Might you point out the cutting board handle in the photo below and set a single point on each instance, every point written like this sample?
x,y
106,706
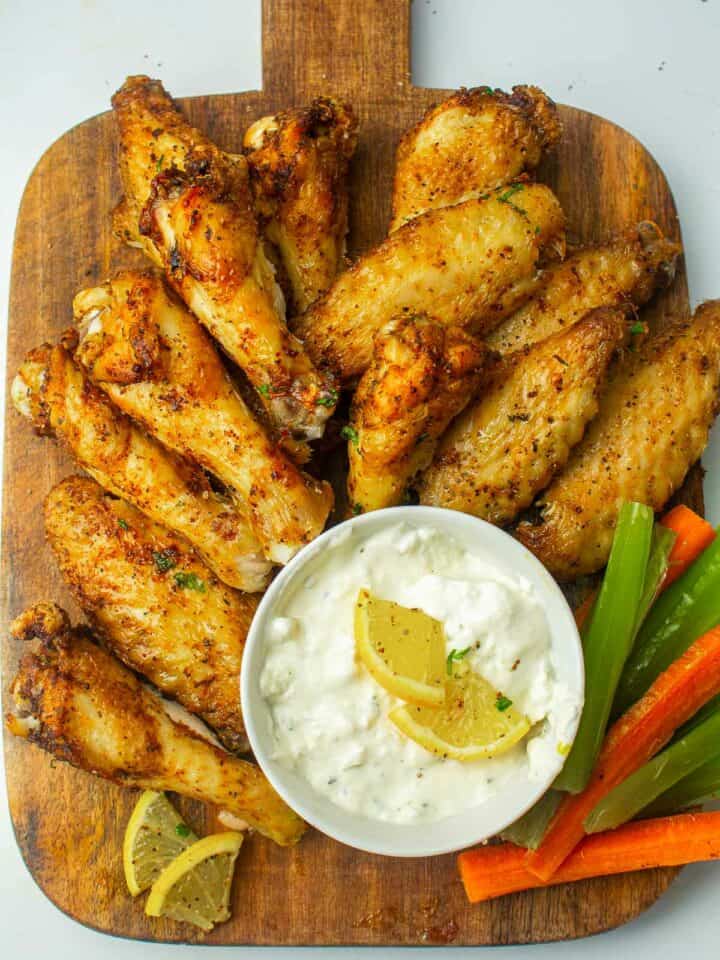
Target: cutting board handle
x,y
335,46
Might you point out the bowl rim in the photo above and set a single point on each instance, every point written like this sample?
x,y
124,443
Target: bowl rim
x,y
318,810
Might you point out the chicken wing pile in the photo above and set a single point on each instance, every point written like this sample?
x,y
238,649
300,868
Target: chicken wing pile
x,y
490,370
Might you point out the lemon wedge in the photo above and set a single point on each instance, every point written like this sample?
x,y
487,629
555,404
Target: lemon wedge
x,y
403,649
195,887
475,722
154,836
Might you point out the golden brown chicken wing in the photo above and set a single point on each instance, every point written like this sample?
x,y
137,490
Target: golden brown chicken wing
x,y
153,603
469,265
625,271
533,408
157,364
472,142
82,705
298,165
653,425
196,220
422,374
52,392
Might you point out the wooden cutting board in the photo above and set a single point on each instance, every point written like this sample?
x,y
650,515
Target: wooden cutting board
x,y
69,825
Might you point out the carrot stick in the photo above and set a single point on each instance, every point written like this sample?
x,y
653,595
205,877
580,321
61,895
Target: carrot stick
x,y
693,535
494,871
674,697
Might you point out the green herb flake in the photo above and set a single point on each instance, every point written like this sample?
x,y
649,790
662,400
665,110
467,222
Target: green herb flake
x,y
453,657
423,437
164,560
159,164
123,523
329,399
510,192
189,581
502,702
357,509
264,389
182,829
351,434
637,328
560,360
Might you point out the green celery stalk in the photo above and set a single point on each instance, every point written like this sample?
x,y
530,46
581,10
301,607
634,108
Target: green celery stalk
x,y
529,830
658,775
697,787
609,638
684,612
657,565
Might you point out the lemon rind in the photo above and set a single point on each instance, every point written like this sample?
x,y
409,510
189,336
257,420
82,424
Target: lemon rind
x,y
147,798
430,741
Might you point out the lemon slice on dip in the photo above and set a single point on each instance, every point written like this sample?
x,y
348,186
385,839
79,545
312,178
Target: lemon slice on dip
x,y
403,649
475,722
154,836
195,887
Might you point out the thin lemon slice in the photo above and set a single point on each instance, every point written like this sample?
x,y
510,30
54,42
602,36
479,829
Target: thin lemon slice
x,y
154,836
475,723
195,887
403,649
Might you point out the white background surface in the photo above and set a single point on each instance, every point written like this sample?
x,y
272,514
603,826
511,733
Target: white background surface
x,y
649,65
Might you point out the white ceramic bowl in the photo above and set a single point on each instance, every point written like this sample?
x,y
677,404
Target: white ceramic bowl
x,y
418,839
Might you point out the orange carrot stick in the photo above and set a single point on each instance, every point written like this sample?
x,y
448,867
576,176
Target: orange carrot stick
x,y
674,697
693,535
666,842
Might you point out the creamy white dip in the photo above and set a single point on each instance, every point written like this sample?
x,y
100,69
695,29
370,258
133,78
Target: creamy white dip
x,y
329,716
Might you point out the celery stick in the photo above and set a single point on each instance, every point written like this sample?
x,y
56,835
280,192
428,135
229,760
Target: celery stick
x,y
529,830
684,612
658,775
660,547
609,637
701,785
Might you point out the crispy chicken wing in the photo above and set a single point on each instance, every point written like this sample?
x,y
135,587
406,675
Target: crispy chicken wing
x,y
153,603
196,220
52,392
472,142
653,425
298,166
422,374
469,265
626,270
534,407
82,705
157,364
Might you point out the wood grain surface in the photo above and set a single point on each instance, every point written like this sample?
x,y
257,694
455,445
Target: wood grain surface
x,y
69,825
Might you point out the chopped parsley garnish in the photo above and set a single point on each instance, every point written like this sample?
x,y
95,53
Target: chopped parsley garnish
x,y
329,399
182,829
357,509
264,389
351,434
502,702
164,560
190,581
637,328
453,657
423,437
123,523
507,196
158,165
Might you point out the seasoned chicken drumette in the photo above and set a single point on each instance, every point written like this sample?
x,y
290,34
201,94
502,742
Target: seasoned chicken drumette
x,y
157,364
534,406
191,206
472,142
82,705
152,602
54,394
653,425
421,376
298,169
627,270
469,265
